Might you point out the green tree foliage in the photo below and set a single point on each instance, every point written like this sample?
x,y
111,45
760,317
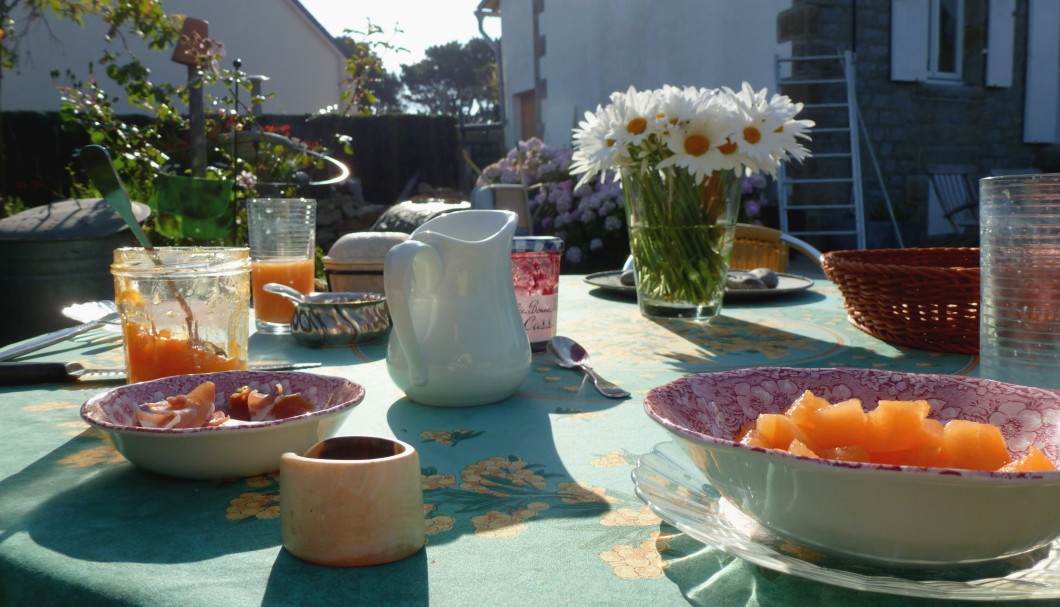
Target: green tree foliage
x,y
143,19
368,88
455,79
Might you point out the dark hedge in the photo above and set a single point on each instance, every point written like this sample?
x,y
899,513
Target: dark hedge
x,y
390,152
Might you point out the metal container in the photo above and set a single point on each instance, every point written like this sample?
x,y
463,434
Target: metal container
x,y
56,255
340,319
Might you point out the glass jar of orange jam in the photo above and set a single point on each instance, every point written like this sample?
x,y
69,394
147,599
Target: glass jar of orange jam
x,y
183,309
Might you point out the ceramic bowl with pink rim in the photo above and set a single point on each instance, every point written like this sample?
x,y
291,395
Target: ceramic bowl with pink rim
x,y
235,449
899,516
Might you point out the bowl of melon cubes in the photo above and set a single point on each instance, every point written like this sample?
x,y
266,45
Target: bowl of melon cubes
x,y
895,469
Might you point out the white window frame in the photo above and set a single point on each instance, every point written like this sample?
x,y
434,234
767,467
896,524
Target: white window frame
x,y
1041,118
935,43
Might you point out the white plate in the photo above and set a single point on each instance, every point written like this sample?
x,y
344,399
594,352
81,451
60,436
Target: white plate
x,y
789,283
92,310
675,490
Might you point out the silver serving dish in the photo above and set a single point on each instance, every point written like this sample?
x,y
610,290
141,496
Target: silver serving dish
x,y
335,319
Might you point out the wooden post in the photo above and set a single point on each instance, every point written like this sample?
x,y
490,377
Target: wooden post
x,y
197,118
189,52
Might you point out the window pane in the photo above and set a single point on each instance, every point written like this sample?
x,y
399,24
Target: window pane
x,y
948,37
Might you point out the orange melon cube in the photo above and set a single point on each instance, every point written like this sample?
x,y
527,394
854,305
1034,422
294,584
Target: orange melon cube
x,y
1033,461
779,430
973,445
894,425
850,453
752,438
802,410
839,425
798,448
743,432
926,450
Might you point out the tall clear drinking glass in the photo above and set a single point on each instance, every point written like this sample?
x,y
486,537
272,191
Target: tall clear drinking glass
x,y
1020,286
282,238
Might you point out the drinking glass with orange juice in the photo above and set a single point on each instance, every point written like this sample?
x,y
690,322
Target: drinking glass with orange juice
x,y
281,234
183,309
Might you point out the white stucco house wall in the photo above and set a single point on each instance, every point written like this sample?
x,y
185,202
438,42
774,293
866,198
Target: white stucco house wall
x,y
563,58
278,39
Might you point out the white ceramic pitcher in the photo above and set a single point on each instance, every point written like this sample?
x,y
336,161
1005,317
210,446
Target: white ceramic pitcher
x,y
458,337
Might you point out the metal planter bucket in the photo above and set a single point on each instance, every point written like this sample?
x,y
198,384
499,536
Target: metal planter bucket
x,y
56,255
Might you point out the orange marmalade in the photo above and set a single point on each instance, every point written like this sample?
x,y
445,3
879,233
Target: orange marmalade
x,y
150,355
183,309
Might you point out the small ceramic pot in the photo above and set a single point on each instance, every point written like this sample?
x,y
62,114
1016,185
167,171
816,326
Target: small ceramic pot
x,y
355,261
352,501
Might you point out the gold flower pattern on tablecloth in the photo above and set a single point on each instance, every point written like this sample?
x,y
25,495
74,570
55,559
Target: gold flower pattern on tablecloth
x,y
746,336
495,524
450,438
58,406
611,459
481,489
437,481
73,428
501,476
624,517
435,524
261,504
581,492
498,495
635,562
253,504
93,456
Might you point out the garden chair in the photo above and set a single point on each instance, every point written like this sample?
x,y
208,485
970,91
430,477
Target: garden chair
x,y
506,197
957,190
757,246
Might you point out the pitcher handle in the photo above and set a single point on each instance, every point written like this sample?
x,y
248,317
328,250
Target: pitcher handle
x,y
399,275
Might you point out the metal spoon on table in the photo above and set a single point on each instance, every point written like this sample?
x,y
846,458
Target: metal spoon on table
x,y
569,354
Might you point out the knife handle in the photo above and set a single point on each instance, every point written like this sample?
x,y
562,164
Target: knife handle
x,y
18,373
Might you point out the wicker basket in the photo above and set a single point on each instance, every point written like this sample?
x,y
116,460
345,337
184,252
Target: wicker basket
x,y
922,297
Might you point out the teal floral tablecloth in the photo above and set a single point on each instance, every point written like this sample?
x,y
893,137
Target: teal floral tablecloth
x,y
528,501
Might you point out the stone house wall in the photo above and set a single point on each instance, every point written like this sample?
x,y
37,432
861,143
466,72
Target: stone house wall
x,y
912,124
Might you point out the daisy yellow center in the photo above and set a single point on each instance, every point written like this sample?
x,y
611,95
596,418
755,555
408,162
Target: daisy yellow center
x,y
696,145
610,143
727,148
752,135
637,126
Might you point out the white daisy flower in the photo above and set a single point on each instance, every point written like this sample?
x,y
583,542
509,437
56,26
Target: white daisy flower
x,y
702,130
704,144
594,148
765,137
677,105
634,117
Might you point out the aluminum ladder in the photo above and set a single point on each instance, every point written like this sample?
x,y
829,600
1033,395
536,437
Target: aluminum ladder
x,y
822,200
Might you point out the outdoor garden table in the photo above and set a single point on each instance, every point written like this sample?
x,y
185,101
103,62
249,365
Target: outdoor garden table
x,y
527,502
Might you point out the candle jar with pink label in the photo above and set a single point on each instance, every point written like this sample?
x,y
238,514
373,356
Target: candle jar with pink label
x,y
535,275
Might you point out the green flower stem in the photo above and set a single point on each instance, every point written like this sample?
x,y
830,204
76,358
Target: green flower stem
x,y
681,234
